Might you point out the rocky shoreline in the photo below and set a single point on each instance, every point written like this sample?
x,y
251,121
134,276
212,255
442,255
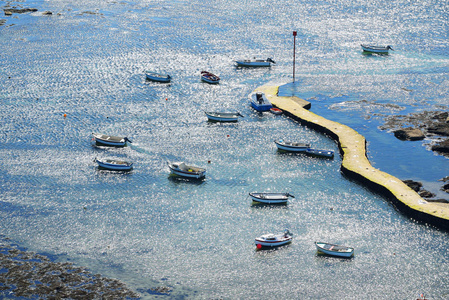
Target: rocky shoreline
x,y
30,275
430,125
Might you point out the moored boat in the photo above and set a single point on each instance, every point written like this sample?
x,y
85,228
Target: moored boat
x,y
159,77
260,102
320,153
334,250
181,169
114,165
255,63
270,198
291,146
276,111
376,49
273,240
110,140
223,116
209,77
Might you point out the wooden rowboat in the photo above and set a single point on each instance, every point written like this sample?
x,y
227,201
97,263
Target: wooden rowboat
x,y
153,76
114,165
334,250
376,49
181,169
222,117
292,146
110,140
255,63
273,240
270,198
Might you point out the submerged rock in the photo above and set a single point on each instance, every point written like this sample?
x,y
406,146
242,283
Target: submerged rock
x,y
409,134
28,275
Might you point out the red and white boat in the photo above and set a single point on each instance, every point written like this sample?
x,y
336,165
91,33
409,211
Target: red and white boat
x,y
274,240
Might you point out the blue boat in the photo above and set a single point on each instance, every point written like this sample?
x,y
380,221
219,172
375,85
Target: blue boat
x,y
260,102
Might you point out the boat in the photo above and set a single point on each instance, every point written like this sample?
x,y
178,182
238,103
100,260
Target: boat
x,y
110,140
292,146
270,198
114,165
334,250
260,102
209,77
322,153
255,63
159,77
222,116
273,240
181,169
376,49
276,111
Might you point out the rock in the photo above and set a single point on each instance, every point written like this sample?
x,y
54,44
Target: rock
x,y
47,13
442,146
10,11
426,194
437,200
445,188
441,128
414,185
409,134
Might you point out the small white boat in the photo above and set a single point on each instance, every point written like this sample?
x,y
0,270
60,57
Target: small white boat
x,y
222,117
260,102
292,146
270,198
322,153
255,63
376,49
273,240
153,76
209,77
114,165
110,140
334,250
181,169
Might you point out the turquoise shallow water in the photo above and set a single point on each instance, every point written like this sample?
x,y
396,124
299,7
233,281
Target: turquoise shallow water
x,y
148,229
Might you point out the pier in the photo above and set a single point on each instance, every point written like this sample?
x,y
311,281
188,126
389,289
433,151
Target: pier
x,y
355,164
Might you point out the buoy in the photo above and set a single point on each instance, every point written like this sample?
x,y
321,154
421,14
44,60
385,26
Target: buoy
x,y
259,246
228,135
65,115
208,161
166,99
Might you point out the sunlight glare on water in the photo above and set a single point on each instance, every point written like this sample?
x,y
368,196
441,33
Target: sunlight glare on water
x,y
149,229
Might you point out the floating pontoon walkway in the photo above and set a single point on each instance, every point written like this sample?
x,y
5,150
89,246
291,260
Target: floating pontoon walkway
x,y
356,165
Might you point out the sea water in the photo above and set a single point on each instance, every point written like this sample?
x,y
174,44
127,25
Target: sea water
x,y
81,70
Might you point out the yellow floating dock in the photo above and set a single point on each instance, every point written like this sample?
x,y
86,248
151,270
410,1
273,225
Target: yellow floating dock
x,y
356,165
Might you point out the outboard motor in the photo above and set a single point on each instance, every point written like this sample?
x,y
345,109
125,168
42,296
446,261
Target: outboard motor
x,y
259,98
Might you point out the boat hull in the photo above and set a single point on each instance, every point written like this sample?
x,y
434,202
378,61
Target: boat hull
x,y
109,140
334,250
222,117
253,64
260,102
265,241
375,49
320,153
270,198
292,147
158,77
189,172
114,165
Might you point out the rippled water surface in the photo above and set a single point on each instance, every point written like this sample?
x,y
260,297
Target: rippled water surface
x,y
87,61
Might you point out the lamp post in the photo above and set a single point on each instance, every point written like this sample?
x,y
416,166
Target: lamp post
x,y
294,52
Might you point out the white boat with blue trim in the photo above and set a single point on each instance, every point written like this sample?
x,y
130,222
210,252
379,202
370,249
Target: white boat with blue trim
x,y
270,198
114,165
292,146
273,240
334,250
376,49
255,63
209,77
260,102
159,77
183,170
223,116
110,140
